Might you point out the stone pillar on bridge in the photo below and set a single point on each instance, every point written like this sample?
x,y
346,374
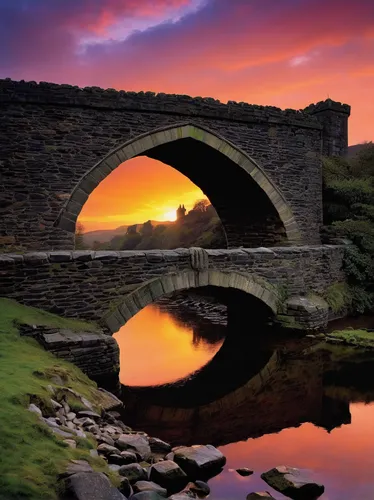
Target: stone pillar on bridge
x,y
333,117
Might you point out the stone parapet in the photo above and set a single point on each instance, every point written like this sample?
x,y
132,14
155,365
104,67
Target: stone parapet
x,y
45,93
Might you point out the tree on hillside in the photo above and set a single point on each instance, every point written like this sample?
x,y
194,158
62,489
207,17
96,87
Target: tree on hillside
x,y
79,238
349,213
201,205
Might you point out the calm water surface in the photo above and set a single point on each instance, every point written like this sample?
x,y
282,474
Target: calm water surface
x,y
264,403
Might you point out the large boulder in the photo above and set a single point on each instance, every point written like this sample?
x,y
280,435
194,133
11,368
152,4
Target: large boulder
x,y
92,485
135,442
149,486
133,472
293,483
200,460
169,475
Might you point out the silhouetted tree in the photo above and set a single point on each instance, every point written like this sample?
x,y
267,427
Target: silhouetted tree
x,y
79,238
201,205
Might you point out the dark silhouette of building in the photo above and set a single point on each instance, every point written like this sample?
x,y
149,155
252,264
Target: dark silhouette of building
x,y
181,212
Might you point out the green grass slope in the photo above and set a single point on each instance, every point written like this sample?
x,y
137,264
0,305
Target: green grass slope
x,y
30,455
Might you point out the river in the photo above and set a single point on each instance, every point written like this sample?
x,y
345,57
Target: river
x,y
262,399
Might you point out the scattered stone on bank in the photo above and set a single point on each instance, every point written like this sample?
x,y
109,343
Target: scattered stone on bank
x,y
136,442
129,457
199,488
107,449
125,487
133,472
169,475
260,495
184,495
199,460
88,413
77,466
93,486
293,483
147,495
149,486
35,409
71,443
159,446
244,471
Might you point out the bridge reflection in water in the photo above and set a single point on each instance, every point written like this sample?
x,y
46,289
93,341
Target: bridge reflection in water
x,y
270,401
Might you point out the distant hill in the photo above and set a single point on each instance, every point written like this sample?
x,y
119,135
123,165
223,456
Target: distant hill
x,y
105,235
356,148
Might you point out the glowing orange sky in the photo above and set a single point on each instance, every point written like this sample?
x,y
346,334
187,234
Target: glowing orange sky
x,y
138,190
286,53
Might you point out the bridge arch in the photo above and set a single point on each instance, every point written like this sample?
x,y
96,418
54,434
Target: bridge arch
x,y
156,288
259,216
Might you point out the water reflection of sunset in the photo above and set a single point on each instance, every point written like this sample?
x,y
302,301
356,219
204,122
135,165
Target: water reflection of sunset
x,y
155,349
140,189
342,460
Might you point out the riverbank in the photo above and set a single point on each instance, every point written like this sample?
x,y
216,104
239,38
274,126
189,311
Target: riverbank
x,y
72,420
363,339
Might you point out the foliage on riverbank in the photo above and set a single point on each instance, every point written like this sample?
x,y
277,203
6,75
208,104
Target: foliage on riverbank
x,y
349,213
355,338
31,457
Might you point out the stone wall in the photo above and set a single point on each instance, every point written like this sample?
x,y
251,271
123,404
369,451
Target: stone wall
x,y
88,284
52,135
95,353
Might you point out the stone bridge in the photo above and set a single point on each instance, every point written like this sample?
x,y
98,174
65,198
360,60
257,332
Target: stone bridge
x,y
259,166
111,287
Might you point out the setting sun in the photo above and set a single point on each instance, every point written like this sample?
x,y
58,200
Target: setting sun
x,y
171,215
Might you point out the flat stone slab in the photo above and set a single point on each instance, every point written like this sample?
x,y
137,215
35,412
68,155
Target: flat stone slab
x,y
199,460
293,483
92,486
136,442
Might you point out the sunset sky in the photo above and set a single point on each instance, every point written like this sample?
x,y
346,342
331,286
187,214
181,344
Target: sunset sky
x,y
286,53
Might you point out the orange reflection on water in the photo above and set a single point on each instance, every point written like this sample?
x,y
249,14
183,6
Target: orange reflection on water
x,y
342,460
155,349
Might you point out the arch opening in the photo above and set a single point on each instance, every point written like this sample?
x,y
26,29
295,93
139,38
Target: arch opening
x,y
156,288
252,209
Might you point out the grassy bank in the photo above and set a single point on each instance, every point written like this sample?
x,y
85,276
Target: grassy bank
x,y
356,338
31,456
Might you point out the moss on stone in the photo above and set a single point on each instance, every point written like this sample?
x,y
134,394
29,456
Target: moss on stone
x,y
356,338
338,297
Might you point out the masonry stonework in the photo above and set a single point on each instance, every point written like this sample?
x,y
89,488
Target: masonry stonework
x,y
93,285
52,136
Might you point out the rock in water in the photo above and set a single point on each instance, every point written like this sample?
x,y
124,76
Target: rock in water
x,y
260,495
243,471
135,442
94,485
199,460
293,483
169,475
